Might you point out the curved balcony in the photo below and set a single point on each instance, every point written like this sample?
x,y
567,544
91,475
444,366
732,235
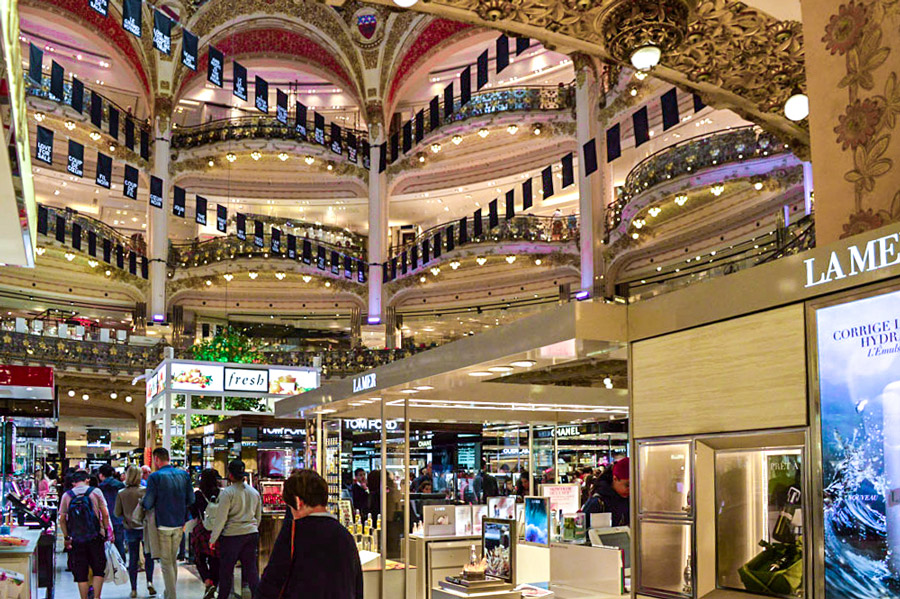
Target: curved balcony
x,y
135,243
263,127
689,157
522,234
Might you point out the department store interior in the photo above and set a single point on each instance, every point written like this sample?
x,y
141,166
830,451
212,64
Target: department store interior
x,y
485,266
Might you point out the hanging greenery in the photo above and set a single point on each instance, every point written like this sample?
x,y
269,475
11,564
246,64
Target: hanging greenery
x,y
228,345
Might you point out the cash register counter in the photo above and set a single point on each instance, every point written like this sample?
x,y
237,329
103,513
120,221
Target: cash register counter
x,y
22,561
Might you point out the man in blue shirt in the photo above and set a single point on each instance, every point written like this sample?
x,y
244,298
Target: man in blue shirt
x,y
170,494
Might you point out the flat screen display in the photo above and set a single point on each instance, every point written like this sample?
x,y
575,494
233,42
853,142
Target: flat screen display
x,y
271,463
859,389
537,520
501,507
499,543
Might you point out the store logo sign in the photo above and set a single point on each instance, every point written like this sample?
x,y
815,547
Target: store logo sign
x,y
364,382
363,424
240,379
877,254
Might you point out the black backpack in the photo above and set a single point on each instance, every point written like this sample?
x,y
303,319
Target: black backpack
x,y
82,523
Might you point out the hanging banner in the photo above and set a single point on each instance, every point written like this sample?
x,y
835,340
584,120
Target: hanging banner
x,y
221,218
189,49
162,32
107,251
448,101
493,214
104,170
510,204
35,64
465,86
156,192
130,185
426,251
420,125
200,210
100,6
291,246
414,257
75,164
258,240
241,226
281,107
120,256
60,228
336,142
568,170
129,133
43,150
239,73
451,238
261,94
522,45
527,194
547,181
589,151
464,230
112,117
348,267
438,245
502,53
335,263
320,258
96,110
613,143
77,95
131,17
482,72
351,148
434,114
319,128
76,236
407,137
92,244
56,81
361,271
275,241
145,144
300,120
307,252
214,66
477,224
366,150
132,262
178,201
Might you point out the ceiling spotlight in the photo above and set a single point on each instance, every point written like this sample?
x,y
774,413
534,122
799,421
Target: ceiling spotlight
x,y
108,272
211,162
255,154
510,259
717,190
328,283
639,223
633,91
70,125
523,363
208,282
71,393
93,263
252,274
330,166
306,278
282,156
405,3
480,260
536,130
635,235
280,275
113,395
422,279
39,117
681,199
94,135
85,397
40,251
435,271
797,107
654,211
645,58
479,373
421,157
640,75
758,186
454,265
309,160
128,398
228,276
69,256
112,147
512,129
538,261
230,157
483,132
435,147
456,139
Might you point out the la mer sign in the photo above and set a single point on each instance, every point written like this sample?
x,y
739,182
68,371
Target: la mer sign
x,y
878,253
364,382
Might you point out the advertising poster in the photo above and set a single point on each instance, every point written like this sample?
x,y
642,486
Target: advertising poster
x,y
501,507
463,520
479,512
197,377
537,520
498,546
291,382
563,497
859,387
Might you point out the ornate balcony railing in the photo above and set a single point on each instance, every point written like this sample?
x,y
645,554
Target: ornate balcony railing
x,y
691,156
199,253
88,224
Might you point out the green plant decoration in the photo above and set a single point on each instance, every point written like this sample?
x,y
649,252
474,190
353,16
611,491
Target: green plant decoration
x,y
228,345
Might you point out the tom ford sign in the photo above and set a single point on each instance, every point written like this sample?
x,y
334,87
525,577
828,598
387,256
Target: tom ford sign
x,y
876,254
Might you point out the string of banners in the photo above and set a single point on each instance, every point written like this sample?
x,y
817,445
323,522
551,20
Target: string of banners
x,y
112,252
640,121
78,97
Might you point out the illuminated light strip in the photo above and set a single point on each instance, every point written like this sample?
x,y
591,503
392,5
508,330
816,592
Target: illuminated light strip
x,y
490,405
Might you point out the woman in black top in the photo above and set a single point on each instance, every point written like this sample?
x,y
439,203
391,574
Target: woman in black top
x,y
206,560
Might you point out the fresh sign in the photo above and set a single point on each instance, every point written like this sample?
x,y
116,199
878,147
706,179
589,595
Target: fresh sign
x,y
243,379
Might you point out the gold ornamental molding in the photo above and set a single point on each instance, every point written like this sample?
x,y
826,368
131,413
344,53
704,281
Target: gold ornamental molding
x,y
733,55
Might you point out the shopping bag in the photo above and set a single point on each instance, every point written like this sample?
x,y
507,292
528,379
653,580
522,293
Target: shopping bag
x,y
778,569
115,565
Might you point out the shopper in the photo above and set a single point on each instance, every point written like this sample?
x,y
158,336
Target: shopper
x,y
128,499
235,531
41,484
391,518
359,493
84,522
315,557
145,474
522,486
610,493
425,474
110,485
205,557
169,494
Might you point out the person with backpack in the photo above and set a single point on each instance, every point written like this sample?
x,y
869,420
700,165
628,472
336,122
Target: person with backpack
x,y
205,557
169,494
84,522
110,485
126,501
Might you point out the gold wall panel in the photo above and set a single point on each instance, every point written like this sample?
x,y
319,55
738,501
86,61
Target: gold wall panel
x,y
742,374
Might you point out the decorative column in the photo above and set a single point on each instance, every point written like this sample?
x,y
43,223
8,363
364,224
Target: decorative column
x,y
594,191
158,218
378,224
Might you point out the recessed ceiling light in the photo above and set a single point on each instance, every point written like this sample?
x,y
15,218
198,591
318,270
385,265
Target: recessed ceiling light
x,y
479,373
409,391
424,388
500,368
523,363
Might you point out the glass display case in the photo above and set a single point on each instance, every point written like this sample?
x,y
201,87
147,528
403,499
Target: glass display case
x,y
759,520
665,519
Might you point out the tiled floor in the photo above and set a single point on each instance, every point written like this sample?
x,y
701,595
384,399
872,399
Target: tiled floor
x,y
189,584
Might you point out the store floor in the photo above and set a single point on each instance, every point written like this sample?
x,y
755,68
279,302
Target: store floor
x,y
189,585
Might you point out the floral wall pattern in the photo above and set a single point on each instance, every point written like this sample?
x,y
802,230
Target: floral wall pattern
x,y
855,103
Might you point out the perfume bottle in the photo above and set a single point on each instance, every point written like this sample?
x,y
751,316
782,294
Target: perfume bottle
x,y
783,531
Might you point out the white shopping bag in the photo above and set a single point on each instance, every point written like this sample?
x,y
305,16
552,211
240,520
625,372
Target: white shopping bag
x,y
115,565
